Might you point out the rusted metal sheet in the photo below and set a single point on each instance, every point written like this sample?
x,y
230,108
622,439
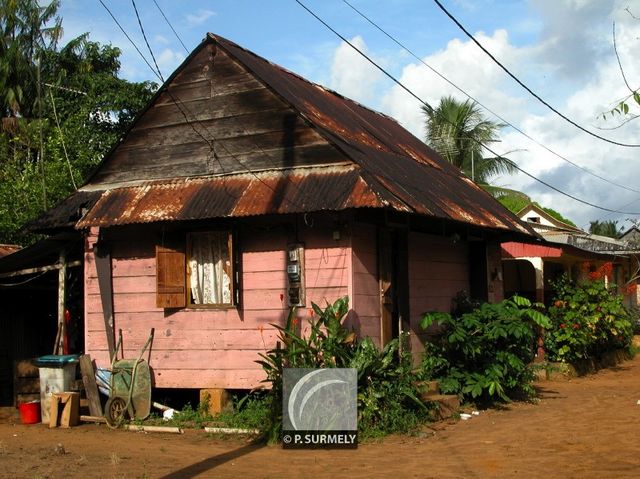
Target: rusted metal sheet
x,y
411,172
311,189
388,168
6,249
66,213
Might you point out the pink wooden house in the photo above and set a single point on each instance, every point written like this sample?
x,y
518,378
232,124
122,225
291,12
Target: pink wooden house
x,y
243,189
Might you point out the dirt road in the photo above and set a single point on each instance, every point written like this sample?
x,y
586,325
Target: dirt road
x,y
584,428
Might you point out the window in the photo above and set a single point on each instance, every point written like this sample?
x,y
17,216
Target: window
x,y
170,278
203,277
209,269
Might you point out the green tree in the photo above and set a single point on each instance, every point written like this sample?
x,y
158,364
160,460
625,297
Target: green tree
x,y
457,130
68,108
605,228
27,31
516,201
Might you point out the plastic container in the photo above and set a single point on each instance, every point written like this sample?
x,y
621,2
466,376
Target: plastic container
x,y
57,374
29,412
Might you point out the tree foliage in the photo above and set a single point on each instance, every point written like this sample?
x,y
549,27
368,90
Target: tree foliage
x,y
605,228
55,130
515,201
457,131
484,354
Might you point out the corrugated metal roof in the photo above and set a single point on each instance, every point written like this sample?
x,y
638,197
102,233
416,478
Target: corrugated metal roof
x,y
6,249
391,158
66,213
392,169
311,189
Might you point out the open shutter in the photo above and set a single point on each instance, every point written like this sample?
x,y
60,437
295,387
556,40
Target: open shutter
x,y
170,278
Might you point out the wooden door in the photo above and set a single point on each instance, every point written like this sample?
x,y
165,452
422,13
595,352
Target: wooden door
x,y
385,278
393,277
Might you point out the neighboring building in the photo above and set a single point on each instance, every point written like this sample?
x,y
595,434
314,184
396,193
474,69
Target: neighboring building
x,y
530,269
631,237
243,189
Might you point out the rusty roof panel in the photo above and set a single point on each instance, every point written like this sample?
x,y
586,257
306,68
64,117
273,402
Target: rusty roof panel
x,y
7,249
311,189
66,213
391,169
399,167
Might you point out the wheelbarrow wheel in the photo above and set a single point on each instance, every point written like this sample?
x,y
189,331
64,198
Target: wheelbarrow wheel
x,y
114,411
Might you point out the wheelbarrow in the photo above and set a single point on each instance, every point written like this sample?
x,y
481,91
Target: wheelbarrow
x,y
129,387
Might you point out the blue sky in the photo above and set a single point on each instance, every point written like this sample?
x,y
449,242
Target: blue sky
x,y
562,49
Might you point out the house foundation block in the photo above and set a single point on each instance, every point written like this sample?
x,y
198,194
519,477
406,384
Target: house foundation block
x,y
214,401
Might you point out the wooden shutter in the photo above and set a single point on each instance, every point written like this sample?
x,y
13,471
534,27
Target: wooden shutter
x,y
171,289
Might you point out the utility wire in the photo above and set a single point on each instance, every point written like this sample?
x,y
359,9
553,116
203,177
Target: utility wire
x,y
385,72
128,37
144,35
522,132
399,83
529,90
64,147
171,27
178,104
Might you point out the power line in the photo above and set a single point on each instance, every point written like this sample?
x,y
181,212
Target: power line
x,y
399,83
529,90
127,36
144,35
64,147
385,72
171,27
522,132
178,103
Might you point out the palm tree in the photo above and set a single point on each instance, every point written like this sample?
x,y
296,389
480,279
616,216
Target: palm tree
x,y
605,228
458,130
27,30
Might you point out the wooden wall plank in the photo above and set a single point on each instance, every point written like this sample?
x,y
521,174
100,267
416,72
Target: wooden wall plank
x,y
224,104
171,338
208,339
210,378
438,270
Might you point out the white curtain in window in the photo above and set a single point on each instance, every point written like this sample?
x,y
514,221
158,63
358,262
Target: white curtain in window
x,y
210,268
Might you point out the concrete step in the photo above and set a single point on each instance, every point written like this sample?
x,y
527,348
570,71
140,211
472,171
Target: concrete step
x,y
427,389
447,405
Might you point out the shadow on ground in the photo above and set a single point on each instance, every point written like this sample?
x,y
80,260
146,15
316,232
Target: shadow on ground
x,y
211,462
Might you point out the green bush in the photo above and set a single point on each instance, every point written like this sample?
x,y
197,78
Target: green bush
x,y
484,355
251,411
387,395
387,398
587,319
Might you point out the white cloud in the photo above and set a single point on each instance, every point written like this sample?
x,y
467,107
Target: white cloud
x,y
575,34
169,60
583,98
463,65
352,75
161,39
199,17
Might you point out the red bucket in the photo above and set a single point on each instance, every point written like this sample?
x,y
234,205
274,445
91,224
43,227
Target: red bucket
x,y
29,412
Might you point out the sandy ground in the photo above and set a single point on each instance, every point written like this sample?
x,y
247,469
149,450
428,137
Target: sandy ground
x,y
583,428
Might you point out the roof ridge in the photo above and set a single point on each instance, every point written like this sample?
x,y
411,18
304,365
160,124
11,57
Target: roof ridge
x,y
219,39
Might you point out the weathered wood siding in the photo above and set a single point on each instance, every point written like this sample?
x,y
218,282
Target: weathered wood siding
x,y
494,266
214,118
200,348
438,269
366,289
